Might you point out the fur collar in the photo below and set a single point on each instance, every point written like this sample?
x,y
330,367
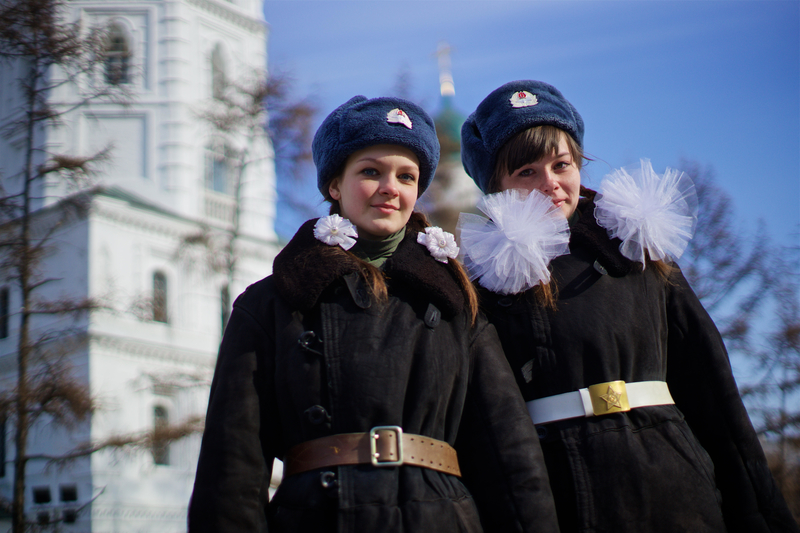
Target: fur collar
x,y
306,267
586,233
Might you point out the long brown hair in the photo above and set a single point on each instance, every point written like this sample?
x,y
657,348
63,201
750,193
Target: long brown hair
x,y
376,279
529,146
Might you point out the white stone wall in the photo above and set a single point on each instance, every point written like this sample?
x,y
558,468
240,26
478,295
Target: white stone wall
x,y
155,195
111,256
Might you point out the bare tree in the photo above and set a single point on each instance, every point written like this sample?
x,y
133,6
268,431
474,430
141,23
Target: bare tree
x,y
49,54
752,290
725,265
290,123
776,393
236,117
290,127
243,115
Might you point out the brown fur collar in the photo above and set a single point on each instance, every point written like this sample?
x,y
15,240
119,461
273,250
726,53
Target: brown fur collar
x,y
306,267
586,233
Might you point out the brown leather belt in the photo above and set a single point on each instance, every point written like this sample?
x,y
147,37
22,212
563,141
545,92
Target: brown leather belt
x,y
383,446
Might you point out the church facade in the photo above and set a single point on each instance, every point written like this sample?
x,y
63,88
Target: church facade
x,y
144,248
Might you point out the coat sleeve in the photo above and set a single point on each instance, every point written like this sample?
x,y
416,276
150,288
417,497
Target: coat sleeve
x,y
702,383
231,489
499,453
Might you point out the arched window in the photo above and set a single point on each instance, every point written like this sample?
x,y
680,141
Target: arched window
x,y
3,437
4,312
160,297
118,56
160,442
220,167
225,305
216,169
218,77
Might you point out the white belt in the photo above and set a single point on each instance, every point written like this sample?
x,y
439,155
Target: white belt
x,y
600,399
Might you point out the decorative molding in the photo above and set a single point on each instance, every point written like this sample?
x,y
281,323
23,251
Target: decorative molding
x,y
139,512
224,12
134,218
145,350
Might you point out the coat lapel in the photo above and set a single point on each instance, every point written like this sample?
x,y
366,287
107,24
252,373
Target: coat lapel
x,y
306,267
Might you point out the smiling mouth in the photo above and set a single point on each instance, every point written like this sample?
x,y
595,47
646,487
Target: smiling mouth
x,y
386,207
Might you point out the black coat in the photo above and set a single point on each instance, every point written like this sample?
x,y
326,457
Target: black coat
x,y
307,353
695,466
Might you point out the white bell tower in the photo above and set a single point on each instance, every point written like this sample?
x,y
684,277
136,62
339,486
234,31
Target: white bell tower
x,y
147,356
172,56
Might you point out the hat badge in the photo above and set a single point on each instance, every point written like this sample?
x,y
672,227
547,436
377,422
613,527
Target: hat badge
x,y
523,99
398,116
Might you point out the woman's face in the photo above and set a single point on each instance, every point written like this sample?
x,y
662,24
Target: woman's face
x,y
555,175
378,189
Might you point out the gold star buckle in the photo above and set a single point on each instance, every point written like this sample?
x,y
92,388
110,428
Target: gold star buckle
x,y
609,397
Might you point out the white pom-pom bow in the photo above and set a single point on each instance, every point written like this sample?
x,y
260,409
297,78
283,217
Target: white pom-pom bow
x,y
441,244
647,211
509,252
334,230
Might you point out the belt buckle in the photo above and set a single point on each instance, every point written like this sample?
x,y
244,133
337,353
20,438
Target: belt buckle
x,y
609,397
374,455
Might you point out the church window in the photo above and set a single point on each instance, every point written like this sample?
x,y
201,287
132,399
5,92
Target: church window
x,y
118,55
160,297
3,447
160,425
41,495
225,305
69,493
218,77
4,308
219,168
70,516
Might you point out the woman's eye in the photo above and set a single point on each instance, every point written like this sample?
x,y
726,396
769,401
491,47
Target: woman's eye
x,y
562,165
369,171
525,172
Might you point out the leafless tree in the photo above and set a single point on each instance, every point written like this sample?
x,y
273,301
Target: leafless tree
x,y
290,125
725,264
776,393
50,54
751,288
243,114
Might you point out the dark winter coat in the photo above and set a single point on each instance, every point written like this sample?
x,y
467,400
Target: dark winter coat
x,y
308,353
695,466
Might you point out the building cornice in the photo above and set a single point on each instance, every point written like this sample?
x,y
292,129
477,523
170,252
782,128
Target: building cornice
x,y
229,14
150,222
130,347
146,350
141,512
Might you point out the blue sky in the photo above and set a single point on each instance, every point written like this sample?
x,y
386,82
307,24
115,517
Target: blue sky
x,y
713,81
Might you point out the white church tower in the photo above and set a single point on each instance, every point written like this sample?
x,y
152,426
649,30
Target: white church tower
x,y
149,356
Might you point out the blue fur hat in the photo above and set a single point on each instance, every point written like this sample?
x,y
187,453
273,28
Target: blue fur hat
x,y
362,122
508,110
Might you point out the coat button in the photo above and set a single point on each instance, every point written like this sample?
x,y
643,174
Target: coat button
x,y
328,480
504,302
542,431
432,316
600,268
306,338
317,415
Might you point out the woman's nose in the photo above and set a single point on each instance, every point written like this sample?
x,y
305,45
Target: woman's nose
x,y
389,187
549,183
